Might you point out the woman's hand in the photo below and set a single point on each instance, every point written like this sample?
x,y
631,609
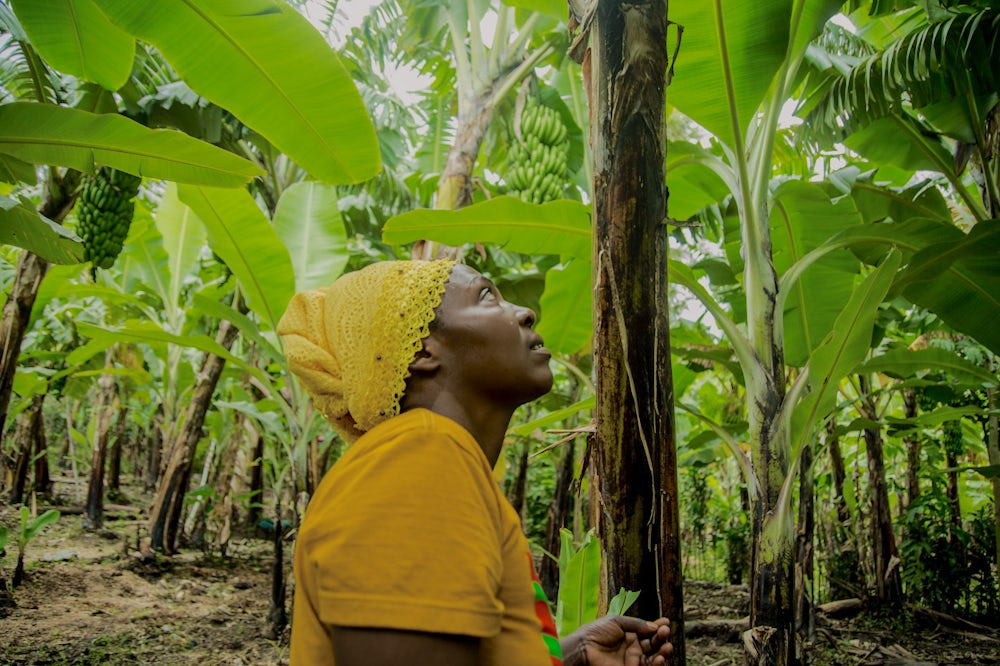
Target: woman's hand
x,y
617,640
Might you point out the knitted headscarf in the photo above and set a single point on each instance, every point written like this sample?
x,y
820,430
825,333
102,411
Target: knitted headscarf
x,y
352,343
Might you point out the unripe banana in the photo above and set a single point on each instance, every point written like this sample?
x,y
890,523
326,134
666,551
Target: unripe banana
x,y
104,213
538,156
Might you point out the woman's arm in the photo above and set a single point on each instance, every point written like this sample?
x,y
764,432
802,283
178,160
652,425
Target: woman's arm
x,y
354,646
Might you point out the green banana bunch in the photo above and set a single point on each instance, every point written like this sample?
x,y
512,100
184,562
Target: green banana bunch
x,y
537,159
104,211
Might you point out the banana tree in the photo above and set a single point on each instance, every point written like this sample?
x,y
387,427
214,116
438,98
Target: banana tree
x,y
486,72
251,76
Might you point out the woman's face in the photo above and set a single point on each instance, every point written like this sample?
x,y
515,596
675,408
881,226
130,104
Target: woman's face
x,y
488,344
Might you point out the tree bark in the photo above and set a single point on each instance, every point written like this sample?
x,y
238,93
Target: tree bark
x,y
277,615
28,276
95,488
518,489
115,457
221,517
843,565
154,453
168,502
913,445
256,482
58,196
993,451
42,479
888,583
24,446
804,616
952,444
637,495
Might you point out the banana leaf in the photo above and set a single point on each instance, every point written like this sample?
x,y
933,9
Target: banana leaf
x,y
76,38
308,222
239,232
266,64
22,226
559,227
49,134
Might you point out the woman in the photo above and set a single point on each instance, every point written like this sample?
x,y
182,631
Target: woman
x,y
409,553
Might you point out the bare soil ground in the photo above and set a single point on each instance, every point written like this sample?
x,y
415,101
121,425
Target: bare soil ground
x,y
88,600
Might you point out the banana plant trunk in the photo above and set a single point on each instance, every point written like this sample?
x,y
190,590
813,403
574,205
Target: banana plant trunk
x,y
29,442
804,612
115,459
455,186
636,466
771,638
888,583
165,513
454,189
913,446
94,518
845,579
58,196
993,450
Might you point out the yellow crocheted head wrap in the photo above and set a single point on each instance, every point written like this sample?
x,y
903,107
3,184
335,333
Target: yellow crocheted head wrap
x,y
352,343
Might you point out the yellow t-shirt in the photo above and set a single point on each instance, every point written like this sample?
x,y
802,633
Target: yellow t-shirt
x,y
409,531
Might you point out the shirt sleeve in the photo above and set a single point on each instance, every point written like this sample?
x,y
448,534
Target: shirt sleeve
x,y
412,542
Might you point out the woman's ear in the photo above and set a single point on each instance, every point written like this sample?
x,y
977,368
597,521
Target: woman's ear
x,y
428,359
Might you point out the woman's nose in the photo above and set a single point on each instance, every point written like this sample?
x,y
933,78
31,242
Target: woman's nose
x,y
526,316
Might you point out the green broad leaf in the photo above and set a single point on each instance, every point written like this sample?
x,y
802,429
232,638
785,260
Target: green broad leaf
x,y
308,222
802,218
877,202
4,538
557,416
565,321
149,333
579,586
622,601
58,277
28,383
76,38
270,419
556,9
49,134
988,471
959,281
566,548
961,288
729,54
39,523
901,143
213,308
139,377
933,418
842,350
183,238
559,227
954,275
266,64
692,179
240,233
23,226
814,17
13,170
911,362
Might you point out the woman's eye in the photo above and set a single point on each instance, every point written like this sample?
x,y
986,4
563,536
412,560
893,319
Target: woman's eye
x,y
487,294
